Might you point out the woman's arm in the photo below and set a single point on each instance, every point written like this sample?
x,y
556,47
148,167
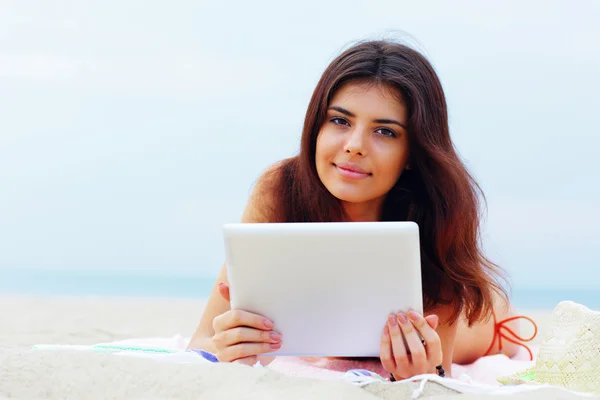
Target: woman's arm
x,y
216,304
447,334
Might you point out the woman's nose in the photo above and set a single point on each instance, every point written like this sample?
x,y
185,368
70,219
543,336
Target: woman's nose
x,y
355,144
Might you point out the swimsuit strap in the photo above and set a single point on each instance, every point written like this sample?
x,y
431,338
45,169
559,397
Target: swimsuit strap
x,y
498,332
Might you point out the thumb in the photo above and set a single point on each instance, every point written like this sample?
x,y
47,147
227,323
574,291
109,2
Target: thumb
x,y
433,321
224,291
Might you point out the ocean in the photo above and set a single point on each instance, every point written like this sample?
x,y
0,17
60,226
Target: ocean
x,y
110,282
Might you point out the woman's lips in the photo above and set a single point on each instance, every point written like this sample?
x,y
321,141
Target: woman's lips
x,y
351,172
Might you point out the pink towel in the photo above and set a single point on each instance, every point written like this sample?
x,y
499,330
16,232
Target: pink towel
x,y
484,370
487,369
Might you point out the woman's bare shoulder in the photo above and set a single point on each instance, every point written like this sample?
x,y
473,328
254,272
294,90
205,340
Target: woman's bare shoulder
x,y
263,199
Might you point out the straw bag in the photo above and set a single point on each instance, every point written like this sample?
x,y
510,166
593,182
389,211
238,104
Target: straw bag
x,y
569,355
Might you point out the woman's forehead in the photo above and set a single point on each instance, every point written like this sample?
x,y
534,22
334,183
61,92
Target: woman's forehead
x,y
368,98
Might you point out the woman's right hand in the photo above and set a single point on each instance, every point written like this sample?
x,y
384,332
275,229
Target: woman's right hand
x,y
241,336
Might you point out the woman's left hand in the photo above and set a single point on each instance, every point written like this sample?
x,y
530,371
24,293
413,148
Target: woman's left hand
x,y
403,354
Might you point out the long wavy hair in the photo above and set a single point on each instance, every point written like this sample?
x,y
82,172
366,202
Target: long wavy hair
x,y
438,193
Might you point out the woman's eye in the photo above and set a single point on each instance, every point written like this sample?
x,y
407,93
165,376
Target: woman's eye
x,y
386,132
339,121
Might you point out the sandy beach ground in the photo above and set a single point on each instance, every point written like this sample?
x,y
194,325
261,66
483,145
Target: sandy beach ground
x,y
28,320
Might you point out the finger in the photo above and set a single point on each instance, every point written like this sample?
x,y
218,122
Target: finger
x,y
234,318
385,352
243,350
245,335
433,347
224,291
414,344
398,347
433,321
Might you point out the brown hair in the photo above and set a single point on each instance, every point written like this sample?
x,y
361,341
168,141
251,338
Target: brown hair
x,y
437,193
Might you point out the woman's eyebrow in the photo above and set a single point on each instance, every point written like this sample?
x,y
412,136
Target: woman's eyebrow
x,y
389,121
342,110
379,121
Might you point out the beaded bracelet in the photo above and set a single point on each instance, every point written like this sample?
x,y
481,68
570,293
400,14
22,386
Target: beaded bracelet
x,y
440,371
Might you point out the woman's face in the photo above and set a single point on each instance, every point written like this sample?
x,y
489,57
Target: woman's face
x,y
362,147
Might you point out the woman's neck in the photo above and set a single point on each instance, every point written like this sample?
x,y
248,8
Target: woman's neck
x,y
363,212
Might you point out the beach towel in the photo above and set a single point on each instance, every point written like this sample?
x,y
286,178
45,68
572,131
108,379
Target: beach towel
x,y
173,349
479,377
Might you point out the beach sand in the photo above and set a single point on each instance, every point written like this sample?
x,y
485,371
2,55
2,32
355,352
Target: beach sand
x,y
26,374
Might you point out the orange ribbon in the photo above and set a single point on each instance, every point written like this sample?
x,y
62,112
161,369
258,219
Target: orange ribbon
x,y
499,328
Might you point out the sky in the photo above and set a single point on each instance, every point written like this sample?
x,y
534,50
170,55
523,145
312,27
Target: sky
x,y
130,132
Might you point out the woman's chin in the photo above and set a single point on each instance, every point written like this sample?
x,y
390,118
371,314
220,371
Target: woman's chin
x,y
350,196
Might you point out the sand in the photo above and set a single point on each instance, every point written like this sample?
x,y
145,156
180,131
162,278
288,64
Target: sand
x,y
27,374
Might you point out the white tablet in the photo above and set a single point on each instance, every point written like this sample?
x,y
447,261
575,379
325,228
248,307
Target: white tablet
x,y
328,287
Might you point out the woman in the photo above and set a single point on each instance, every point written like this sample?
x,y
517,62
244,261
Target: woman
x,y
376,147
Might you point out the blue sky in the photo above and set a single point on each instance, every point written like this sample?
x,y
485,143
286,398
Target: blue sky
x,y
130,132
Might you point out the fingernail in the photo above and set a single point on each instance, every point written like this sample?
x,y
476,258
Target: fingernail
x,y
221,285
268,324
414,317
275,345
386,330
392,320
402,318
275,336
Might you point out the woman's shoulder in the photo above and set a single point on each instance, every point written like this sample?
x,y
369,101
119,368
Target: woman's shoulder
x,y
262,202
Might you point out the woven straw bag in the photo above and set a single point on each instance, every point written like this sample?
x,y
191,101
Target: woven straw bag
x,y
569,355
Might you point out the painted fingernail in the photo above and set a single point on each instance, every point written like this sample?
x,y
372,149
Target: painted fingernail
x,y
275,345
435,319
268,324
414,317
275,336
402,318
392,320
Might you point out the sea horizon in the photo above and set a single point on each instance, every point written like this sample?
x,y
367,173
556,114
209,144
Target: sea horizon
x,y
186,284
